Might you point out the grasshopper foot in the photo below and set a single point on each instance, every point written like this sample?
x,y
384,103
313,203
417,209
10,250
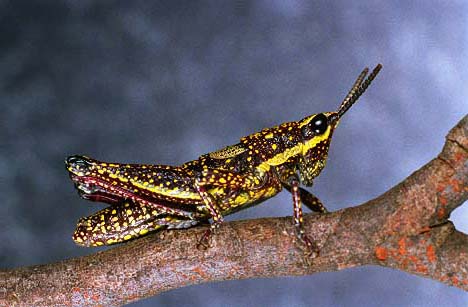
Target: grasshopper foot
x,y
310,247
205,241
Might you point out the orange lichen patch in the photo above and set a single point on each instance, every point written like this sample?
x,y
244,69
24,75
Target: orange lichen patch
x,y
415,262
96,297
404,263
394,226
410,253
405,219
441,213
392,253
459,156
184,276
402,246
381,253
430,253
200,272
455,280
421,268
443,201
456,185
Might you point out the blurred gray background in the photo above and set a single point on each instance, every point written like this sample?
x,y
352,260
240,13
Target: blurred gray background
x,y
165,81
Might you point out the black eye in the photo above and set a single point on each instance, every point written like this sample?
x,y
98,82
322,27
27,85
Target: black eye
x,y
319,124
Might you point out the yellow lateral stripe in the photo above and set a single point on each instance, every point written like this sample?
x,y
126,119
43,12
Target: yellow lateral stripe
x,y
177,193
306,121
290,152
315,140
112,175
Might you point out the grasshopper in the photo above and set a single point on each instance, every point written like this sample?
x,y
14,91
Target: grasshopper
x,y
145,198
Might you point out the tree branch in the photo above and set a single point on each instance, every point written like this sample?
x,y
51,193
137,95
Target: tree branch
x,y
406,228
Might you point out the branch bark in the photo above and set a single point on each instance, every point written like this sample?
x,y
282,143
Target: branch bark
x,y
405,228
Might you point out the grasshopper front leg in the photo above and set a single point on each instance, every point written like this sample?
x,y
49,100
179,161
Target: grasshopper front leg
x,y
290,181
227,180
311,246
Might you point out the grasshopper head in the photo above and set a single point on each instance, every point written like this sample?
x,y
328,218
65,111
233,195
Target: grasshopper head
x,y
317,130
86,174
80,165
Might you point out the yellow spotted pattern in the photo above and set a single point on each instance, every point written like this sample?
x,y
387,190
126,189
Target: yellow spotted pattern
x,y
212,186
123,222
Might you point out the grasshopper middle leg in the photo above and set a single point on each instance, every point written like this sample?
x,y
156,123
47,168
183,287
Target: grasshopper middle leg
x,y
212,178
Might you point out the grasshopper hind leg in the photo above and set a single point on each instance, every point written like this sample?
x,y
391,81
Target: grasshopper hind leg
x,y
124,221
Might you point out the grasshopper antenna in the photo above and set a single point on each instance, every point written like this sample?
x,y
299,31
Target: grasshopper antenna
x,y
359,87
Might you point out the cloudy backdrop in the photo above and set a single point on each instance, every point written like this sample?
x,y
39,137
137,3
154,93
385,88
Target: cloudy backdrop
x,y
165,81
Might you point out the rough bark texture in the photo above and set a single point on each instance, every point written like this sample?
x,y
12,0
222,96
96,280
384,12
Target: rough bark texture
x,y
406,228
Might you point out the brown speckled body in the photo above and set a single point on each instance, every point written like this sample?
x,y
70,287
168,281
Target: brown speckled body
x,y
145,198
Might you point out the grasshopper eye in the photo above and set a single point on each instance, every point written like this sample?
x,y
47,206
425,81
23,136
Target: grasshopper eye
x,y
318,125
